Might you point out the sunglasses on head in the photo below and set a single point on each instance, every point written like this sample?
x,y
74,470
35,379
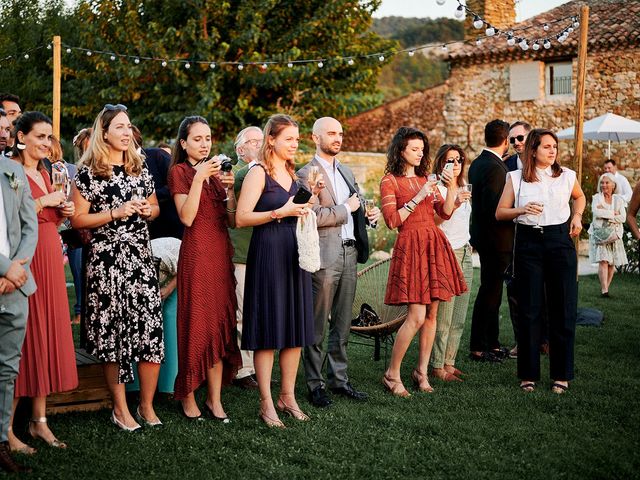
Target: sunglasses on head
x,y
109,107
519,138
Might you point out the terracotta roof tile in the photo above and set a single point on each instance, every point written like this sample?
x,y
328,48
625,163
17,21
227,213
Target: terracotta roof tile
x,y
613,24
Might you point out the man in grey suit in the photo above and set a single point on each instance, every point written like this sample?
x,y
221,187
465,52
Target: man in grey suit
x,y
343,244
18,238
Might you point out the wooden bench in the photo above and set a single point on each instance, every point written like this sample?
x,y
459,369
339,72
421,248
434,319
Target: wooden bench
x,y
92,392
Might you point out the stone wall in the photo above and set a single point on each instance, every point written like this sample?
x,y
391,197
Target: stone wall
x,y
372,131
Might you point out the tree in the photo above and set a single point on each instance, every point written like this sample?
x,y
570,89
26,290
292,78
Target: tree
x,y
201,30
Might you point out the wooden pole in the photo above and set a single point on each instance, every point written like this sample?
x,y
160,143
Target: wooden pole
x,y
580,88
57,76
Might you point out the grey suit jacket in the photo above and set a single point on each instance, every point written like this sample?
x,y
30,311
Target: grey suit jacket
x,y
22,221
331,216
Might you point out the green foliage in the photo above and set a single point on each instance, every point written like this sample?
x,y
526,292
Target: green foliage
x,y
199,30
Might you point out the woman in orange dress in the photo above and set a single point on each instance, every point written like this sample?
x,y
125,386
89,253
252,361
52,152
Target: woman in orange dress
x,y
423,267
48,362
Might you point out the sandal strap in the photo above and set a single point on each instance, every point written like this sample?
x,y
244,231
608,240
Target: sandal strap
x,y
39,420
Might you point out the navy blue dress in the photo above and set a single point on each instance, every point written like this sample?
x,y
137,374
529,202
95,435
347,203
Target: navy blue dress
x,y
278,300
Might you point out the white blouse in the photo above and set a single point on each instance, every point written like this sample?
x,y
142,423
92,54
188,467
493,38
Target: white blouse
x,y
554,193
456,229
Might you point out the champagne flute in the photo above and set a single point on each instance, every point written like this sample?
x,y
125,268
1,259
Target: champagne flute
x,y
432,177
137,193
59,180
540,203
467,187
368,207
314,173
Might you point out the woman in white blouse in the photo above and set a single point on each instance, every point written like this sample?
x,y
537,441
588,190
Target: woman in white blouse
x,y
606,247
452,314
538,198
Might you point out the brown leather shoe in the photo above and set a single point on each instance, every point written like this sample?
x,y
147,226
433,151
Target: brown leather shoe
x,y
246,383
7,463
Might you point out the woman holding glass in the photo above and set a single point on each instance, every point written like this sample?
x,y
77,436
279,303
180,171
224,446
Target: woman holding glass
x,y
452,314
609,215
424,269
545,262
48,361
278,301
206,322
115,197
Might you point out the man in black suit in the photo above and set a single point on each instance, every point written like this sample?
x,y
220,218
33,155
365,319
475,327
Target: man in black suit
x,y
518,132
492,239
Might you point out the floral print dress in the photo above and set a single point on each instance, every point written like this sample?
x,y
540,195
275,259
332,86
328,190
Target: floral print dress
x,y
123,307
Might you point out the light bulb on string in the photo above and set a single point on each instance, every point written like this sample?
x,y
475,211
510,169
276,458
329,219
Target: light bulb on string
x,y
320,64
490,31
459,13
136,60
440,2
212,65
240,66
510,40
576,23
112,57
477,22
89,53
290,65
478,41
164,63
26,56
411,53
350,61
381,58
264,66
536,45
547,44
187,65
444,47
48,46
570,29
545,27
68,50
523,44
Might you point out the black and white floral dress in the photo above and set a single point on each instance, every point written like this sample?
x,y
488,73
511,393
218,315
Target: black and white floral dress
x,y
123,307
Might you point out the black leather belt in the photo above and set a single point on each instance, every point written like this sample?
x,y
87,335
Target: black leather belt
x,y
349,243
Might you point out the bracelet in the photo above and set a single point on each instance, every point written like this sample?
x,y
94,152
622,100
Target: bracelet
x,y
415,204
231,211
578,213
408,207
111,213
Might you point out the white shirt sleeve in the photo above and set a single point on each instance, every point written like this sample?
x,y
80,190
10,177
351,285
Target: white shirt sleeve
x,y
624,188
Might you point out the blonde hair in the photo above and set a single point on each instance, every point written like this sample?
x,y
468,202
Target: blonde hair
x,y
275,125
56,150
96,157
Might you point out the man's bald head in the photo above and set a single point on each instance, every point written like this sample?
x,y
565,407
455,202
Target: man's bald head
x,y
327,135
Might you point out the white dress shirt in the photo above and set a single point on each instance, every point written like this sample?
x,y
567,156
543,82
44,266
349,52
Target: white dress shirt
x,y
456,229
554,193
623,188
342,192
5,248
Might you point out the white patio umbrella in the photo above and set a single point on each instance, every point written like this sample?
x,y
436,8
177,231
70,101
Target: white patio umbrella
x,y
606,127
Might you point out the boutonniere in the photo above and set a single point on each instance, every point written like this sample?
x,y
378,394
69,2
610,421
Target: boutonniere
x,y
14,182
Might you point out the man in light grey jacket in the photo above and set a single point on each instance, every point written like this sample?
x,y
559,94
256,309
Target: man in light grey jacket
x,y
18,239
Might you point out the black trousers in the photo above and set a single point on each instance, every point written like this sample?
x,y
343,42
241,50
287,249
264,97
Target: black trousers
x,y
546,258
485,322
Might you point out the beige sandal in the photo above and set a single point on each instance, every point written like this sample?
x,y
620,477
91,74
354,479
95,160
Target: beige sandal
x,y
418,377
395,387
55,443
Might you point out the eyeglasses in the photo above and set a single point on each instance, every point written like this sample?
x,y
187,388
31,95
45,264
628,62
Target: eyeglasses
x,y
457,160
520,138
254,143
109,107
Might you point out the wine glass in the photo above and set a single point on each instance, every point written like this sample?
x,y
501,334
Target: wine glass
x,y
540,203
368,207
59,180
432,177
314,174
467,187
137,193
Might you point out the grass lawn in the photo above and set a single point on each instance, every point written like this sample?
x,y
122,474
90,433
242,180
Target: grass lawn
x,y
482,428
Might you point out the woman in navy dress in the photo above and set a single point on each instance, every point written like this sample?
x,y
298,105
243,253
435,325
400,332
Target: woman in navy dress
x,y
278,300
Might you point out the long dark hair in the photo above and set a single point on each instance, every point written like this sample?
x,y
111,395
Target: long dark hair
x,y
534,139
395,161
441,160
25,123
179,154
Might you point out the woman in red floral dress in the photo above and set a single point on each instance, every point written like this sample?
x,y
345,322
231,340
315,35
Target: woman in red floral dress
x,y
423,267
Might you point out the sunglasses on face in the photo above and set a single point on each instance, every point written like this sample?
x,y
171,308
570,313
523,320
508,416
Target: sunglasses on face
x,y
109,107
457,160
519,138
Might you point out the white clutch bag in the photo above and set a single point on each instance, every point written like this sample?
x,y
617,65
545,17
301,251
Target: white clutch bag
x,y
308,242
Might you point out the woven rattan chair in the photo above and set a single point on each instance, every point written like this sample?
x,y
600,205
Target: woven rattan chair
x,y
372,284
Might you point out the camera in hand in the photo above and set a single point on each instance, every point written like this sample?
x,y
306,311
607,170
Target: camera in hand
x,y
226,164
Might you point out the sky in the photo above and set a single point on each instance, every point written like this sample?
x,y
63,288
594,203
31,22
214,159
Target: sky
x,y
429,8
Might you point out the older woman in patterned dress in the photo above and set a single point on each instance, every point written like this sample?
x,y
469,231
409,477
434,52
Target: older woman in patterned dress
x,y
115,198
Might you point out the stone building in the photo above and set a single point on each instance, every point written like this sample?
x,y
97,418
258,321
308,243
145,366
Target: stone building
x,y
495,80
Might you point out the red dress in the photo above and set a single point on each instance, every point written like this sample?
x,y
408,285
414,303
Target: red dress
x,y
206,321
423,266
48,362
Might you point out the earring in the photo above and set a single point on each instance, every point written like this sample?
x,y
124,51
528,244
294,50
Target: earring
x,y
20,146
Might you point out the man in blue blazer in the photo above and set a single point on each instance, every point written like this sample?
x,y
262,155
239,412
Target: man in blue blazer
x,y
518,133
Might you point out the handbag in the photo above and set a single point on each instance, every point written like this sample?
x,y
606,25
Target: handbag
x,y
605,234
308,242
367,318
509,274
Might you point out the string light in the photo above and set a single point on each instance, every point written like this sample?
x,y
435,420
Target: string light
x,y
48,46
547,44
381,58
490,31
411,53
536,45
240,66
136,60
478,41
212,65
290,65
459,13
545,27
320,64
26,56
440,2
112,57
477,23
89,53
264,66
350,61
187,65
444,47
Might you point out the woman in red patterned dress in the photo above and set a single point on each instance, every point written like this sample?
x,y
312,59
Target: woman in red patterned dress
x,y
206,321
48,362
423,267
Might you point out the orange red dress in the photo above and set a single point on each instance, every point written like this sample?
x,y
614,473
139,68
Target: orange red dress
x,y
423,266
48,362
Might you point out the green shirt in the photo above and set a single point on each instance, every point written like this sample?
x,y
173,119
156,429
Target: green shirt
x,y
240,237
